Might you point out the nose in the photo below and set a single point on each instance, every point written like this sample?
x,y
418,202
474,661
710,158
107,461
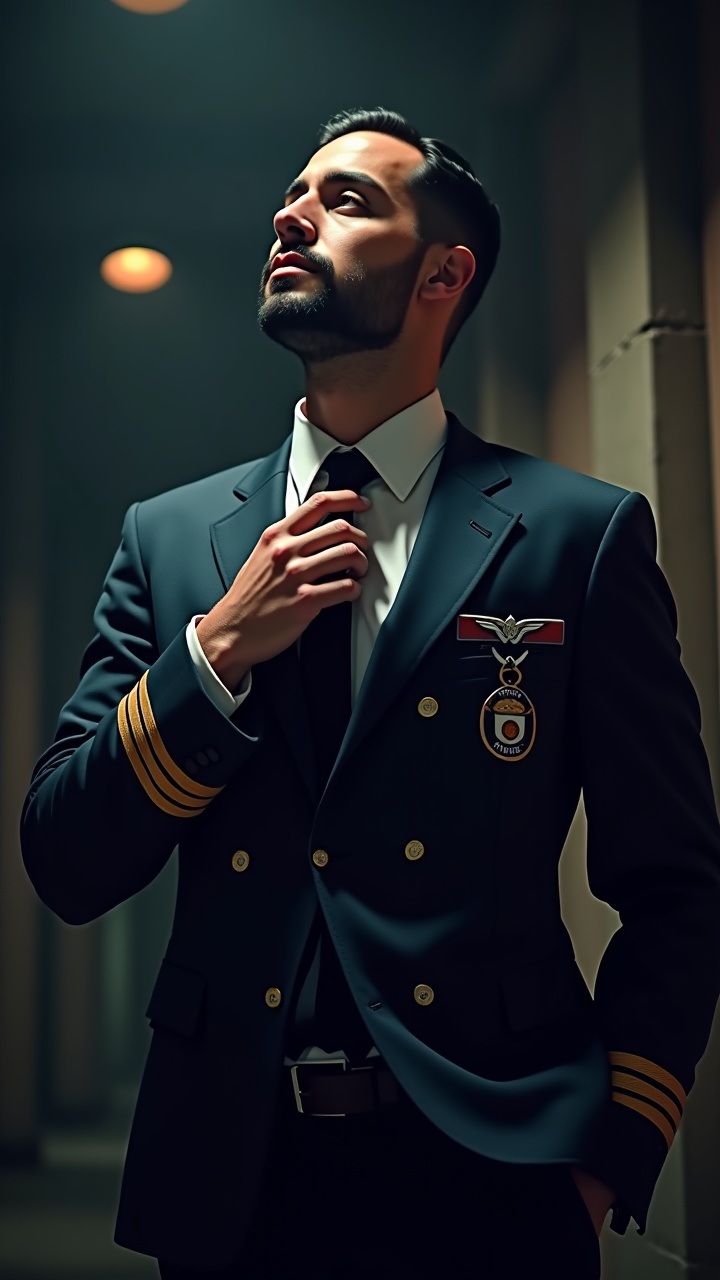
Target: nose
x,y
292,226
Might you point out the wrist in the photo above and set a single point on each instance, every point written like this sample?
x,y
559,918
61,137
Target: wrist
x,y
220,646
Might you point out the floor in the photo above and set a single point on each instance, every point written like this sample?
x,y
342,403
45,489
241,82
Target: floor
x,y
57,1217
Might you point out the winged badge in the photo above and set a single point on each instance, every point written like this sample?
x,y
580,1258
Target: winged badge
x,y
510,630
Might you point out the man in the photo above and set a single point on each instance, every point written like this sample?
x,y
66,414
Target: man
x,y
365,721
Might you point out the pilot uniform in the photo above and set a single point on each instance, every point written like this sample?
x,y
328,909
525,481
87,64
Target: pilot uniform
x,y
368,961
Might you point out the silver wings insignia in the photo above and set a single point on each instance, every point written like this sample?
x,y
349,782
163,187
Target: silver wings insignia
x,y
510,629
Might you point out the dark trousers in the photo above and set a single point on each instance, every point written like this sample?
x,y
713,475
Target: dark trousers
x,y
387,1194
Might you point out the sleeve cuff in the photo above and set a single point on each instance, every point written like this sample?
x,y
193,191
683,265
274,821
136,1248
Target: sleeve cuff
x,y
224,700
181,747
626,1151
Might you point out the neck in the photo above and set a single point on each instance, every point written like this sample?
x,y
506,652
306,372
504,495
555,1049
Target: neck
x,y
349,396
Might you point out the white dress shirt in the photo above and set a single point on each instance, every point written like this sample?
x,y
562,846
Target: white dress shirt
x,y
406,452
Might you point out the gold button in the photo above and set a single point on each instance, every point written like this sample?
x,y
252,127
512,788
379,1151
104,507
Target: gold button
x,y
414,849
428,706
424,994
273,996
240,860
321,857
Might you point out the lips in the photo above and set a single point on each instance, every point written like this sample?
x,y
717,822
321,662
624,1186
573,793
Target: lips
x,y
291,260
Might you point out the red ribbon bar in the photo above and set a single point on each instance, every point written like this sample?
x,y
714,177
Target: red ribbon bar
x,y
551,632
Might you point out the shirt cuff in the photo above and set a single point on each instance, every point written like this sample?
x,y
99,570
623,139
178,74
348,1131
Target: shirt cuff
x,y
224,700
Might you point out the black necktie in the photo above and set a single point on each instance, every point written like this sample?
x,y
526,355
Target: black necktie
x,y
325,1011
325,644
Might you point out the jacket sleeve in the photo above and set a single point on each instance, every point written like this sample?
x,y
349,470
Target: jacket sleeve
x,y
140,750
653,853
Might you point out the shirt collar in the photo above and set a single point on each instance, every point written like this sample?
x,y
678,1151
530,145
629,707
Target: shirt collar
x,y
399,449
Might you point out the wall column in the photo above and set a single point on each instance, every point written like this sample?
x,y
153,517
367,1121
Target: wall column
x,y
21,512
650,431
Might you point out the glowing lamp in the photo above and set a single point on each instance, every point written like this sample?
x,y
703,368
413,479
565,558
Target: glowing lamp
x,y
136,270
150,6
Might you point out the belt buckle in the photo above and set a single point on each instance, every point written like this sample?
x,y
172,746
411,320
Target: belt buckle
x,y
322,1062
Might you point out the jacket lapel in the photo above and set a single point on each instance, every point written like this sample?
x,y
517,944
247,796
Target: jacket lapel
x,y
448,559
263,494
462,531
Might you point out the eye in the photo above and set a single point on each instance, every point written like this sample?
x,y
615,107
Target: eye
x,y
348,197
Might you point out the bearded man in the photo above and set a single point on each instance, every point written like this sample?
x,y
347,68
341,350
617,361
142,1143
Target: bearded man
x,y
360,684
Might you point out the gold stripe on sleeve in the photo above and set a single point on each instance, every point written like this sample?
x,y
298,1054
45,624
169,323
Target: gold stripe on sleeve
x,y
166,788
622,1080
135,760
632,1062
182,779
650,1113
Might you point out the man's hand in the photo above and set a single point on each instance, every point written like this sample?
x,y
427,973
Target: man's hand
x,y
275,595
597,1196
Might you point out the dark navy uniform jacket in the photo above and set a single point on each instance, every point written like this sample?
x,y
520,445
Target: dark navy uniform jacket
x,y
458,959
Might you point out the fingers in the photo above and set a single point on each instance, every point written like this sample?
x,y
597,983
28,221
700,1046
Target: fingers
x,y
344,558
335,541
304,548
339,534
319,505
326,593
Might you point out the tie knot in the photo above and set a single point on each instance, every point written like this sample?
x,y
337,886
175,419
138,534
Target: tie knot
x,y
348,470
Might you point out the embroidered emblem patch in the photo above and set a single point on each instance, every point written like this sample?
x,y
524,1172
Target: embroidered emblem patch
x,y
507,717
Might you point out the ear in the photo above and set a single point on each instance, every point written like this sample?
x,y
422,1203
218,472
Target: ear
x,y
453,268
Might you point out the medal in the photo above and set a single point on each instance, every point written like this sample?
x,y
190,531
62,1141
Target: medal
x,y
507,716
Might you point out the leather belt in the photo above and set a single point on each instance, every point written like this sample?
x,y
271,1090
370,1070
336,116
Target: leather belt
x,y
333,1088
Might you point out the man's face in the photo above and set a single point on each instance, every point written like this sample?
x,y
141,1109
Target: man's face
x,y
356,234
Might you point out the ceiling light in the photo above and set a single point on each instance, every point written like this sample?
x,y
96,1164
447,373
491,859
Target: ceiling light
x,y
150,6
136,270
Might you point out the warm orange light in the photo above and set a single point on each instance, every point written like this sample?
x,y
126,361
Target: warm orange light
x,y
136,270
150,6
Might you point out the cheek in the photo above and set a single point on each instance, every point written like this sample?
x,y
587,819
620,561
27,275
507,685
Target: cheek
x,y
371,247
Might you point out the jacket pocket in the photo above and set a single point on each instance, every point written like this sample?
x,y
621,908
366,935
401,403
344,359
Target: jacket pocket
x,y
550,988
178,1000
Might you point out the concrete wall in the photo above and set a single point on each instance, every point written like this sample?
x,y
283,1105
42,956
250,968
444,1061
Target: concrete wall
x,y
618,102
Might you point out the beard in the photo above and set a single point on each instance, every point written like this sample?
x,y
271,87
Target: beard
x,y
365,312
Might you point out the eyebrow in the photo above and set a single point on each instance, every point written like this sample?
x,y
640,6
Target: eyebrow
x,y
351,176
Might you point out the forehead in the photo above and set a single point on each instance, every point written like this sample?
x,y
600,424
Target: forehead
x,y
381,156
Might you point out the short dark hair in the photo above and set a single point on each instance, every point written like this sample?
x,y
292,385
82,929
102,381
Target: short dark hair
x,y
452,206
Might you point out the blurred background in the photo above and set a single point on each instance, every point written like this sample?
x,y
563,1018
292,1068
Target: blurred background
x,y
597,345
